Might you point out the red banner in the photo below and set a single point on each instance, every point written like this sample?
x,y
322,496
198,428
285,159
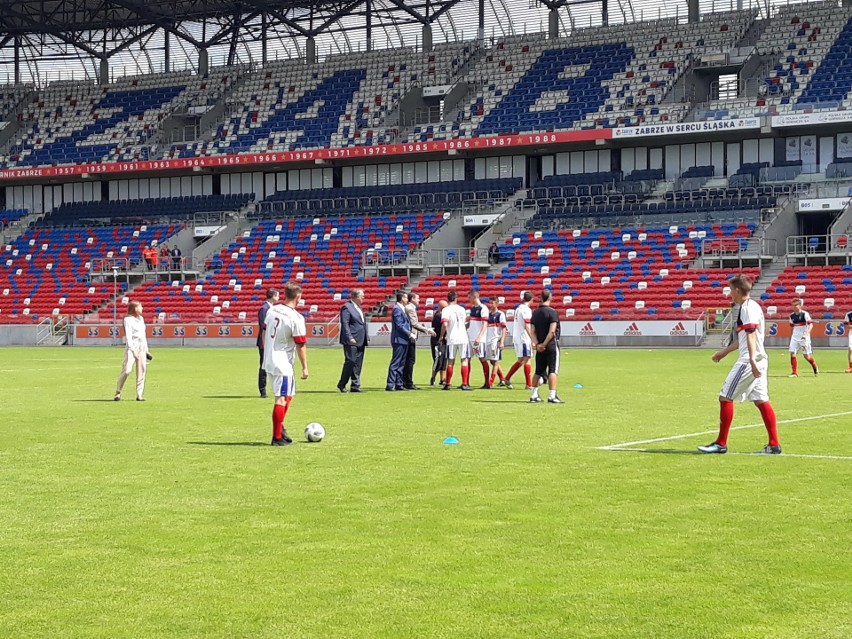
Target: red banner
x,y
258,160
192,331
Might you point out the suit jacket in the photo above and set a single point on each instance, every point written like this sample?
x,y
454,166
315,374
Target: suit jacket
x,y
416,326
400,326
261,318
352,325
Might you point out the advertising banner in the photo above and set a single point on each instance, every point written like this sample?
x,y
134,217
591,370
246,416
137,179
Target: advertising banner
x,y
681,128
805,119
823,204
844,145
197,331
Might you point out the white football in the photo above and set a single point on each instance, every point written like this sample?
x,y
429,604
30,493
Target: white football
x,y
314,432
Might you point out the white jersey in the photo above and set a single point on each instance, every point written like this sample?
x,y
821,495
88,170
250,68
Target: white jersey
x,y
134,334
453,317
496,326
478,320
285,328
800,323
750,319
523,316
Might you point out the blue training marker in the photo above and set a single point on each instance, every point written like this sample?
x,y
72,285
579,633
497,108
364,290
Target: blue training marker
x,y
578,386
451,440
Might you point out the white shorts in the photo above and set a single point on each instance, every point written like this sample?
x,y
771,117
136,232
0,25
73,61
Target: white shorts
x,y
480,351
743,386
284,385
460,350
493,351
849,334
523,349
802,344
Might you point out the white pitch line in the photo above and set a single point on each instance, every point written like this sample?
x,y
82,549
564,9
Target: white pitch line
x,y
626,445
651,450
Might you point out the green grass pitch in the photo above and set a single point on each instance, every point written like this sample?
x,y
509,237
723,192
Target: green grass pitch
x,y
175,518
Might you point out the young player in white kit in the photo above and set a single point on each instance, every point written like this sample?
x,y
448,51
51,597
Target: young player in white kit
x,y
800,340
477,331
495,339
453,330
522,339
285,337
747,379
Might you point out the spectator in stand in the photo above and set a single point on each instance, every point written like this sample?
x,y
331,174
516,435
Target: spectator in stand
x,y
164,257
155,256
176,258
493,253
148,257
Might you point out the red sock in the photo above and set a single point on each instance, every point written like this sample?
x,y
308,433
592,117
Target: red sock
x,y
449,377
528,373
517,365
486,372
726,418
278,413
812,362
794,364
466,375
768,414
495,371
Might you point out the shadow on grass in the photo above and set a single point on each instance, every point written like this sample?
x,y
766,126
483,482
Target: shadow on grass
x,y
266,444
659,451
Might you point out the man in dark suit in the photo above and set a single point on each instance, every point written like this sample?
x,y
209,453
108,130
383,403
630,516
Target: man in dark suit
x,y
417,328
401,335
353,337
271,300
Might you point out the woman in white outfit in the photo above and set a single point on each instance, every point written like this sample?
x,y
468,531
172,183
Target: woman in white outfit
x,y
135,352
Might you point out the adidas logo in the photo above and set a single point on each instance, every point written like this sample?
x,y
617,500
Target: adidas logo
x,y
587,330
679,329
633,330
384,330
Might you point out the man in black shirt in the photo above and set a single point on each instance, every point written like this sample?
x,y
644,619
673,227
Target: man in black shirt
x,y
545,322
439,361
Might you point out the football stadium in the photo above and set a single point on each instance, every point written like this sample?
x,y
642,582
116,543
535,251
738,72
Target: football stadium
x,y
623,226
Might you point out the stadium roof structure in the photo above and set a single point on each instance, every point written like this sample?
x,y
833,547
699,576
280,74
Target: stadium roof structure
x,y
46,40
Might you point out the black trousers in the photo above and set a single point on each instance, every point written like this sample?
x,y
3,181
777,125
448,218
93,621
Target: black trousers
x,y
353,359
408,367
261,374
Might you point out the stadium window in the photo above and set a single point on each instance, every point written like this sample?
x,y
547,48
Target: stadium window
x,y
728,86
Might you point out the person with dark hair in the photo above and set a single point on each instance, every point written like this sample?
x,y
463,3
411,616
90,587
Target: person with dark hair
x,y
164,257
285,337
176,257
401,335
135,352
272,296
353,338
748,377
458,344
545,323
411,354
439,356
493,253
522,339
495,341
477,331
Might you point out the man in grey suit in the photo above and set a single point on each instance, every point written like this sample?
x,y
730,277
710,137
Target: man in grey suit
x,y
416,329
401,335
353,338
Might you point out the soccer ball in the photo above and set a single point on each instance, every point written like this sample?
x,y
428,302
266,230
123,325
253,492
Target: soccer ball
x,y
314,432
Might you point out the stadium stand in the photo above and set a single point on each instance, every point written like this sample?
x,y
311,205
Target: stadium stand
x,y
46,271
323,254
826,291
148,209
628,273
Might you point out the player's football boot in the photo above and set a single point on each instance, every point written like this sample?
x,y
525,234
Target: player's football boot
x,y
466,387
770,450
713,448
285,440
793,375
507,385
816,371
554,400
536,400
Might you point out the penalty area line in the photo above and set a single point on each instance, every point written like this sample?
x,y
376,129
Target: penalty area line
x,y
652,450
629,445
